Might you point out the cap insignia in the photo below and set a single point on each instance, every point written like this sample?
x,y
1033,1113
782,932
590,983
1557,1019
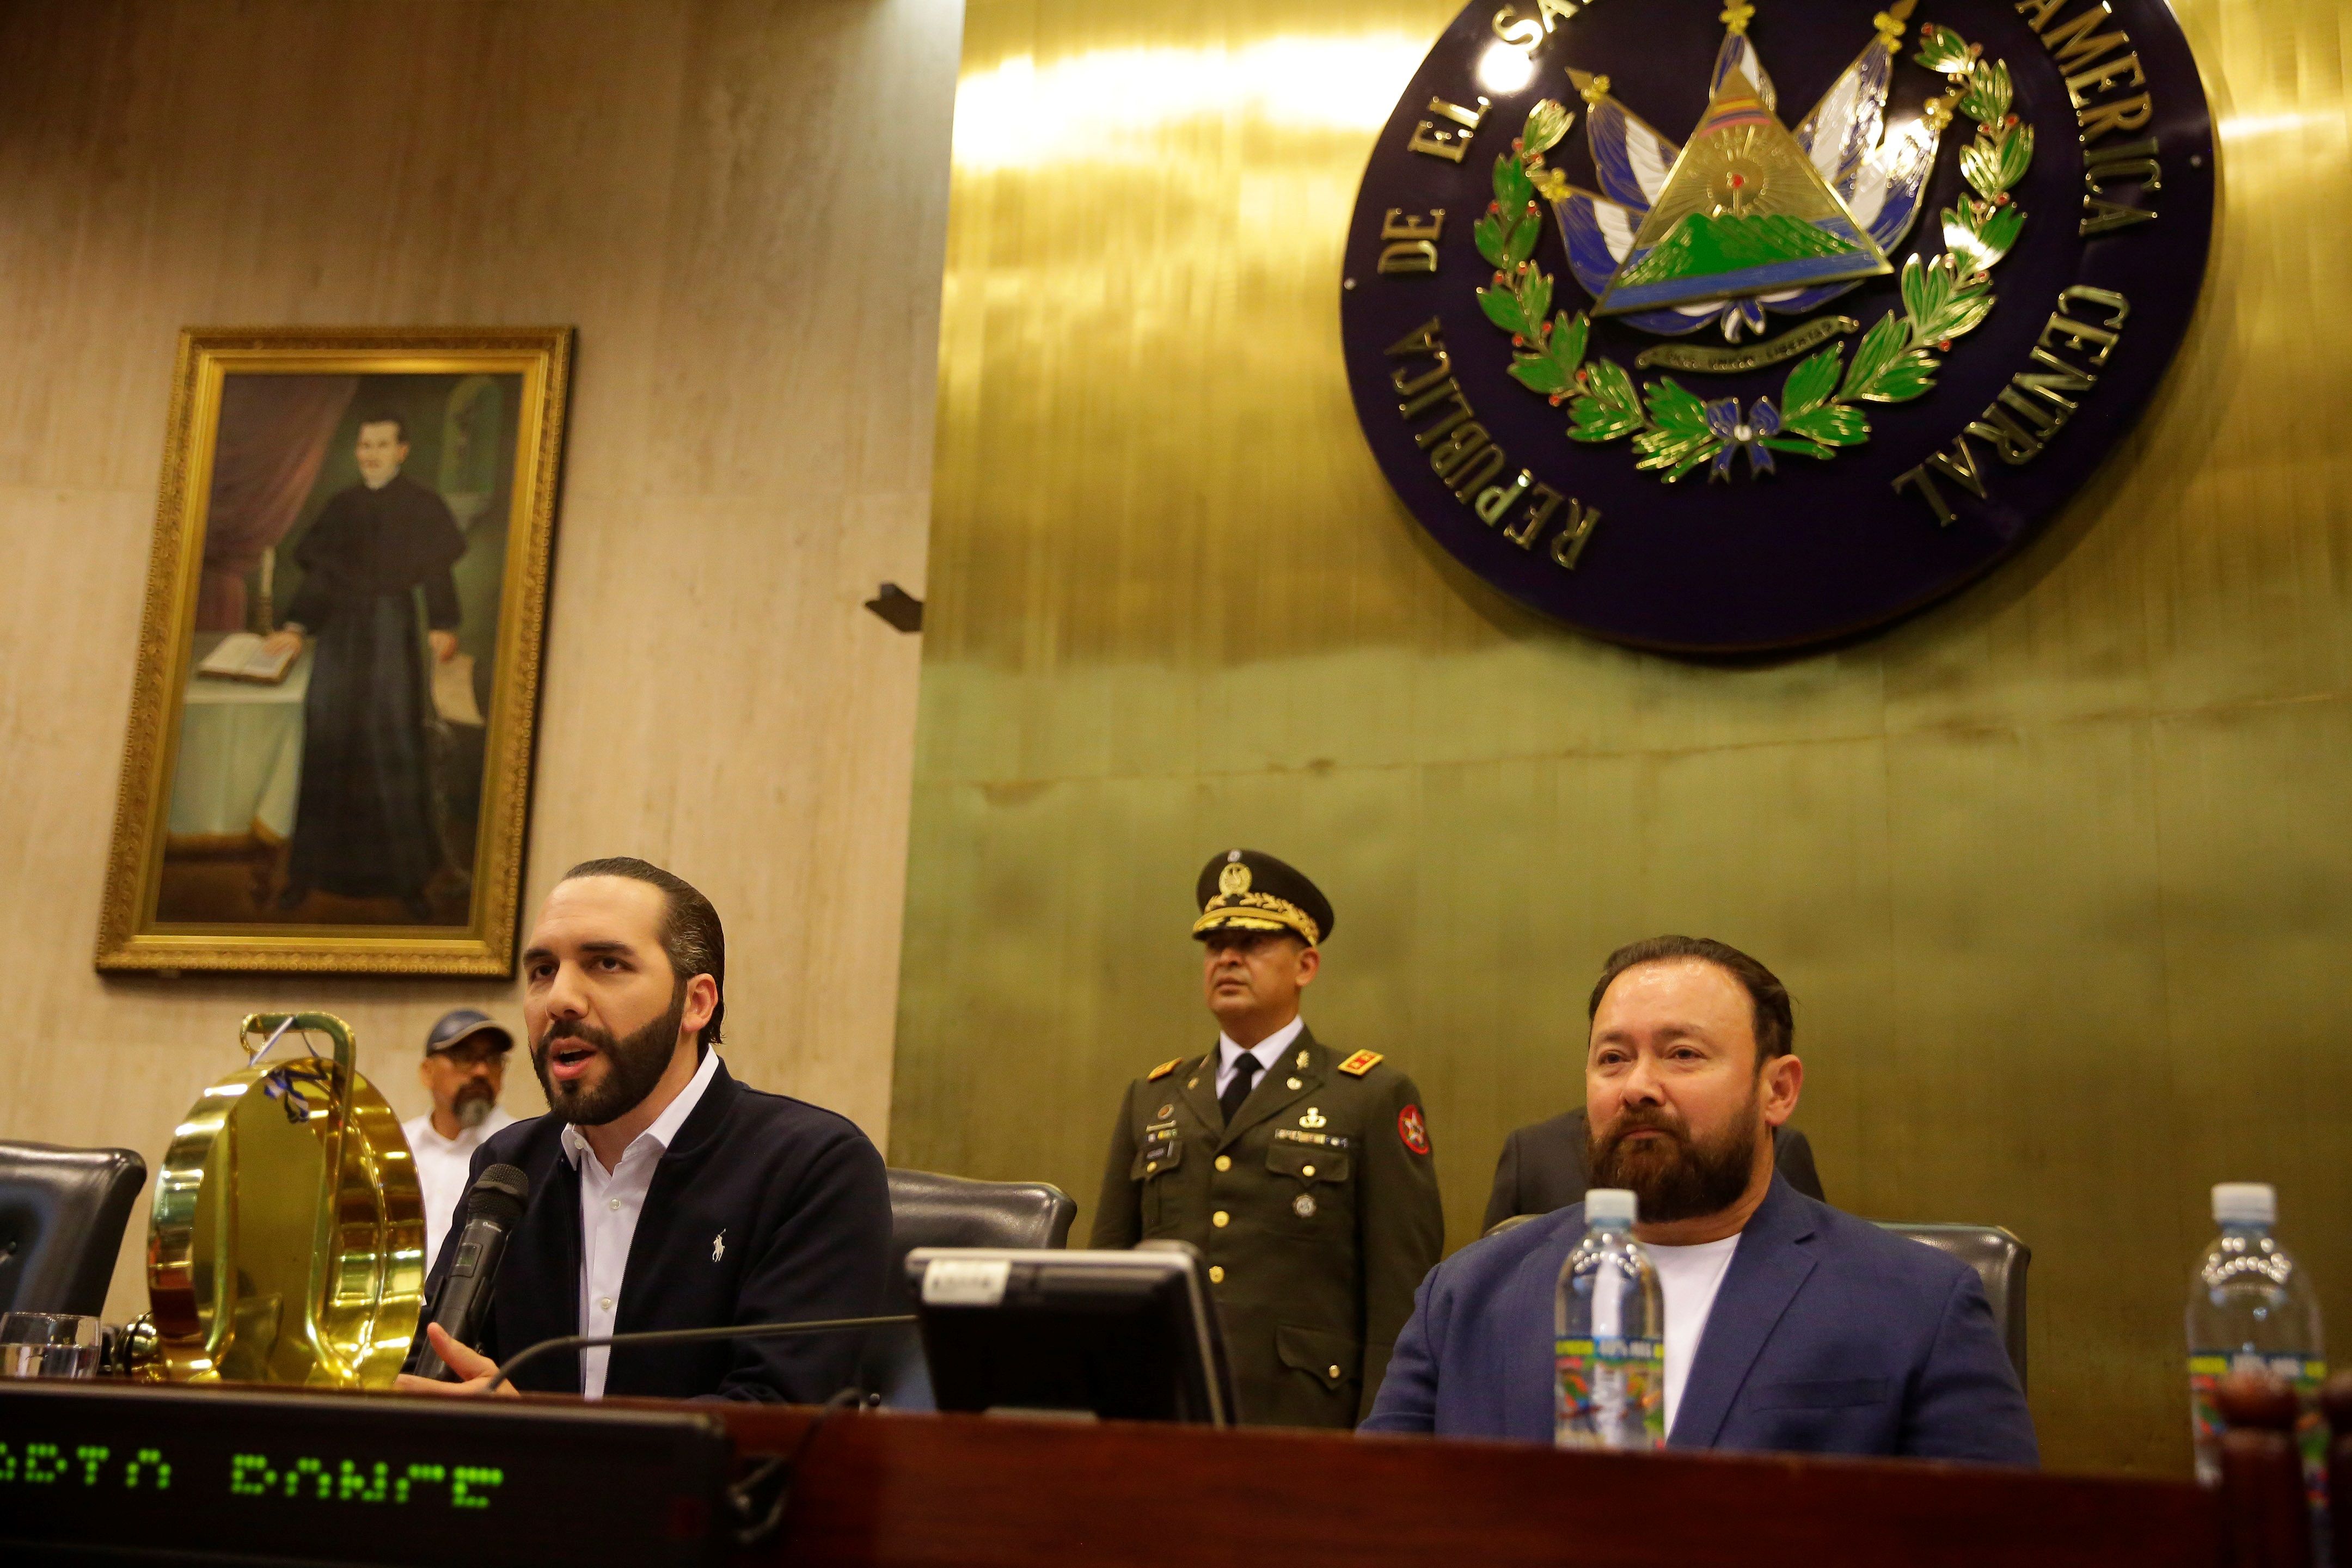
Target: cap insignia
x,y
1361,1062
1233,879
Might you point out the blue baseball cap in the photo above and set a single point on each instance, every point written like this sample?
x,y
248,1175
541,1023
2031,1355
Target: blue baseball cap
x,y
460,1024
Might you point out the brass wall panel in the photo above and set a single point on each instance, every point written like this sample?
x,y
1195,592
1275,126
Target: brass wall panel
x,y
2060,873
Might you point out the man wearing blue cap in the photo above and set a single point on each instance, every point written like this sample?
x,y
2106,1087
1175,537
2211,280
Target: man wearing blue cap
x,y
464,1067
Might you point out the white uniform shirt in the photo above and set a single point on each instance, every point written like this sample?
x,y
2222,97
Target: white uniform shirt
x,y
441,1164
1688,1277
1268,1052
610,1203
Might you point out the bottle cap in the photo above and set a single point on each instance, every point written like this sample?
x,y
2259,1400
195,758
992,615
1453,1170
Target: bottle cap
x,y
1612,1205
2245,1202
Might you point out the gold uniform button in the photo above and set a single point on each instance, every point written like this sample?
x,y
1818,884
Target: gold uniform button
x,y
1220,1219
1216,1273
1306,1170
1149,1166
1224,1162
1298,1083
1335,1374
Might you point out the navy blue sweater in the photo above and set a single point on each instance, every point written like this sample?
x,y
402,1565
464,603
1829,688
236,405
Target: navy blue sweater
x,y
798,1193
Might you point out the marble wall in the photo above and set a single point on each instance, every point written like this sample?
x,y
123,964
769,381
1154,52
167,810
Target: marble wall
x,y
742,205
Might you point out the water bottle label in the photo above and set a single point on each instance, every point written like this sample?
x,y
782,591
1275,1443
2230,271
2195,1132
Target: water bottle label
x,y
1610,1385
2304,1374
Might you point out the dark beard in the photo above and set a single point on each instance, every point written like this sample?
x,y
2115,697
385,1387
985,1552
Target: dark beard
x,y
634,1066
1679,1179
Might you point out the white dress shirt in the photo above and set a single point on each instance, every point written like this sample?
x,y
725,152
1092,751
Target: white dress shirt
x,y
1268,1052
610,1203
1688,1277
441,1166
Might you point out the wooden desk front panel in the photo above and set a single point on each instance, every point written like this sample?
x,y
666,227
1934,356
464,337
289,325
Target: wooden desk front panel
x,y
909,1492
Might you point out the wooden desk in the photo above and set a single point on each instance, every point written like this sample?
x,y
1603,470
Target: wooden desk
x,y
884,1490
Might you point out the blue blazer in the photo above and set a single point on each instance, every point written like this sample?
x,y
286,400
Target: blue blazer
x,y
1828,1336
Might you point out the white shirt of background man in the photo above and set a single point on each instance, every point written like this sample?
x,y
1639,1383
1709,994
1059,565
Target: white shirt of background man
x,y
1268,1052
441,1167
1688,1277
610,1203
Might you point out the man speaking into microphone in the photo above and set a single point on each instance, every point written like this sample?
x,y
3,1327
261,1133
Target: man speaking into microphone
x,y
662,1193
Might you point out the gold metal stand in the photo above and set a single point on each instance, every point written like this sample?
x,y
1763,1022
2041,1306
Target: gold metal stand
x,y
287,1243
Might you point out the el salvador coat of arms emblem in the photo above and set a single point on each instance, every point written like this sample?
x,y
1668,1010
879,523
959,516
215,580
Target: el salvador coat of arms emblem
x,y
1699,359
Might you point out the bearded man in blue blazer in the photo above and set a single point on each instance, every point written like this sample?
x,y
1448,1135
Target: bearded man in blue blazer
x,y
1789,1326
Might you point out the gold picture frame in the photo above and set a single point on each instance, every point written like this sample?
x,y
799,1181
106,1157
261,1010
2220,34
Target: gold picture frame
x,y
327,764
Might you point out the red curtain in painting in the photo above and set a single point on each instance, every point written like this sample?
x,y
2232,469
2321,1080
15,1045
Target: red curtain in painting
x,y
274,431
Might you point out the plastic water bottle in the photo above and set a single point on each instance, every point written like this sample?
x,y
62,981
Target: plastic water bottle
x,y
1611,1320
2252,1306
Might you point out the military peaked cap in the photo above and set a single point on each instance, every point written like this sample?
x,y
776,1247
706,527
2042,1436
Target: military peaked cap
x,y
1246,890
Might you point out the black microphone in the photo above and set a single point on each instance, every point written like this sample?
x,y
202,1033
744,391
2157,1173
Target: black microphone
x,y
463,1303
529,1353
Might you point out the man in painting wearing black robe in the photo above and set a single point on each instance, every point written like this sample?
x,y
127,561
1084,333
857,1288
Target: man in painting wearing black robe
x,y
366,825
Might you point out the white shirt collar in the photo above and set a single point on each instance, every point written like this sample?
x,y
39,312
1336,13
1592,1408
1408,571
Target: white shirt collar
x,y
1267,1051
665,1125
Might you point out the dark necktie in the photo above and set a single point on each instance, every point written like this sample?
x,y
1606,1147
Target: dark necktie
x,y
1245,1070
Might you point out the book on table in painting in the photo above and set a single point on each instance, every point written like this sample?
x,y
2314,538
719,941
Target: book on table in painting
x,y
246,656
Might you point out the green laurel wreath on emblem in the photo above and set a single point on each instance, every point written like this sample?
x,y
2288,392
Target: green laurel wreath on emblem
x,y
1895,360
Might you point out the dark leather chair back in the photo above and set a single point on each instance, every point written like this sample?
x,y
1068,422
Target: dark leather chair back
x,y
930,1210
62,1214
2000,1259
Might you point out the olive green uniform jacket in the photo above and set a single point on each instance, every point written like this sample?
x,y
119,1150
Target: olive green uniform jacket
x,y
1316,1211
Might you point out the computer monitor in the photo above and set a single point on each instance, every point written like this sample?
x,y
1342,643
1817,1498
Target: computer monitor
x,y
1129,1336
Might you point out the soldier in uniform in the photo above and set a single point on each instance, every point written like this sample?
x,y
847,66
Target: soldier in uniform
x,y
1301,1172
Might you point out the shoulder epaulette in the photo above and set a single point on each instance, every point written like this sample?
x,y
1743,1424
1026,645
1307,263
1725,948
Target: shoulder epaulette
x,y
1163,1069
1361,1062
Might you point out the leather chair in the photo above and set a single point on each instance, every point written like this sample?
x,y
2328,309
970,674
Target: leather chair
x,y
1996,1256
62,1214
930,1210
2000,1259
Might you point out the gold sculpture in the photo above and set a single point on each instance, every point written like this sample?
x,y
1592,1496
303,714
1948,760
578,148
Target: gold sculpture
x,y
287,1243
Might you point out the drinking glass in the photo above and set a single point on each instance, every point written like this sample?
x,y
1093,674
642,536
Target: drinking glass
x,y
48,1344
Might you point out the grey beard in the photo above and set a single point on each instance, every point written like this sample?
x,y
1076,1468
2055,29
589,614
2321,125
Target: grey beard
x,y
472,1110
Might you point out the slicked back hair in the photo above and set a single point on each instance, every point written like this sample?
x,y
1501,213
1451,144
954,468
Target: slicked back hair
x,y
691,937
1775,1023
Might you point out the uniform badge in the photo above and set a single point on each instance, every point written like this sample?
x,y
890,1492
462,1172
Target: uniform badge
x,y
1311,1117
1166,1111
1234,879
1412,1130
1361,1062
1303,1205
1162,1070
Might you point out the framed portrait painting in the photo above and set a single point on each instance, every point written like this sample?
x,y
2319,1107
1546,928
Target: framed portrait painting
x,y
330,749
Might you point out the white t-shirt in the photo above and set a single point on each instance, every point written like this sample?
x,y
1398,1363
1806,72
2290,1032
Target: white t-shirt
x,y
1688,1277
441,1166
